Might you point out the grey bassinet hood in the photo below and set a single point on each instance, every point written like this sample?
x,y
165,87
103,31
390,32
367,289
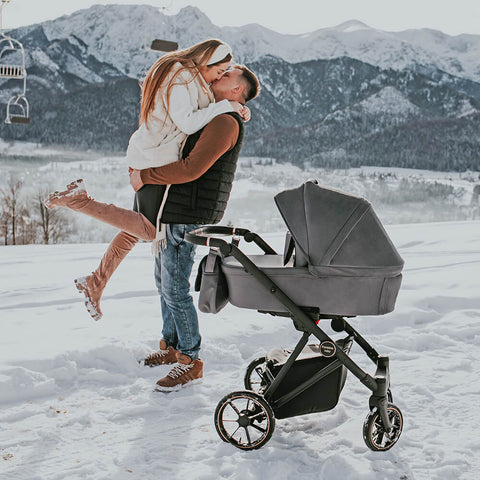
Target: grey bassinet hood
x,y
335,231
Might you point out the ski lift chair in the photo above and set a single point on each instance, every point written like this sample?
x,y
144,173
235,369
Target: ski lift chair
x,y
17,107
16,71
17,110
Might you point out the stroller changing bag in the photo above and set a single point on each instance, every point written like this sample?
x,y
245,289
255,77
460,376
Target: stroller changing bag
x,y
211,283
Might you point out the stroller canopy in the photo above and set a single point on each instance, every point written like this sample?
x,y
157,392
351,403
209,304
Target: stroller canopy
x,y
335,232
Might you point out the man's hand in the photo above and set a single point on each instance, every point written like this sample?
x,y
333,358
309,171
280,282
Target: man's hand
x,y
135,179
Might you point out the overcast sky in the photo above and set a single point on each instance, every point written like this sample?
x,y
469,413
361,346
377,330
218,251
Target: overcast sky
x,y
296,16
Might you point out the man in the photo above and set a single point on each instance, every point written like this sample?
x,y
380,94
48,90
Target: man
x,y
199,191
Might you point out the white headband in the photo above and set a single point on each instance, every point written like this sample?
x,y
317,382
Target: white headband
x,y
220,53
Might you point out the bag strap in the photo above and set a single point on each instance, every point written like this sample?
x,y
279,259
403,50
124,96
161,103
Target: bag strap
x,y
212,257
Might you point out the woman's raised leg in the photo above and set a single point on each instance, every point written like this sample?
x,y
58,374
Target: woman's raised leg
x,y
75,197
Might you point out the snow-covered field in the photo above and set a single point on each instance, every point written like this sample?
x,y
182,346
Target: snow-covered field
x,y
398,195
75,404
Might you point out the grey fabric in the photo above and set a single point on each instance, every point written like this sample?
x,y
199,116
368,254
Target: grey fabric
x,y
345,263
336,293
334,228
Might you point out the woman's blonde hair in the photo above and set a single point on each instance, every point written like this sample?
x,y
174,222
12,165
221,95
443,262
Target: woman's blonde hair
x,y
196,56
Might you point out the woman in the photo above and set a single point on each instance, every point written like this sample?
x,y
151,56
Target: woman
x,y
176,101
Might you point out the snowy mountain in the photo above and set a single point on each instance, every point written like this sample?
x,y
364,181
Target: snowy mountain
x,y
116,35
338,89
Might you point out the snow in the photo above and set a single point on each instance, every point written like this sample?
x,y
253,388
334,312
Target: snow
x,y
388,101
76,404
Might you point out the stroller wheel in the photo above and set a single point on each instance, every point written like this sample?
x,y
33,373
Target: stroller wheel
x,y
374,433
253,379
244,419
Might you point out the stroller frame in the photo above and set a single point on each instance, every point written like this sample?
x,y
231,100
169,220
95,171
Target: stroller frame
x,y
305,321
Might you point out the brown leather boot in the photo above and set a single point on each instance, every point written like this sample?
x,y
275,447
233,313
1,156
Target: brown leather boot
x,y
92,286
165,356
184,372
75,198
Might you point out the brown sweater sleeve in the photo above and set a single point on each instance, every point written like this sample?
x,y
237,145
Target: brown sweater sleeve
x,y
219,136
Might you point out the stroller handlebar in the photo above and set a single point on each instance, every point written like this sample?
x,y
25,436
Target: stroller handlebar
x,y
206,236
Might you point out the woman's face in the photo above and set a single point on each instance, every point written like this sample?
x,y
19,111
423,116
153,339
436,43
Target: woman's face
x,y
215,72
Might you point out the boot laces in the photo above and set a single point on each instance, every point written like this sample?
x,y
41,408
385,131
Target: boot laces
x,y
179,369
157,355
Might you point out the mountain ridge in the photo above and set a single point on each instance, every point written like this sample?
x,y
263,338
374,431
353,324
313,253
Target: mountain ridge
x,y
84,71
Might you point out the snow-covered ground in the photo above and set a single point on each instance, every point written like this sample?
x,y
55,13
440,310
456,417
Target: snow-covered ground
x,y
75,404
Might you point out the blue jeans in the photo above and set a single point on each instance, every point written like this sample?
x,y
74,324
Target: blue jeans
x,y
172,276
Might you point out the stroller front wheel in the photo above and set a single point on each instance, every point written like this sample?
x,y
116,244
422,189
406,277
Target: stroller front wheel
x,y
374,433
244,419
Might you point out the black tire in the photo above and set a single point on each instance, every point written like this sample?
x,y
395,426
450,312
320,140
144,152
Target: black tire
x,y
253,381
244,419
374,434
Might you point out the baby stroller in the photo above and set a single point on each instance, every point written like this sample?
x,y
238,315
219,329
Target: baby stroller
x,y
338,262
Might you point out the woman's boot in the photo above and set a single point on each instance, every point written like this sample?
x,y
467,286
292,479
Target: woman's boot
x,y
92,285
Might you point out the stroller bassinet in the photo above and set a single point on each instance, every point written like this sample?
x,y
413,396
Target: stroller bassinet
x,y
344,262
338,262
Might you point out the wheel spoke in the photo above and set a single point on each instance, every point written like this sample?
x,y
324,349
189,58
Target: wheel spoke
x,y
254,417
237,411
247,433
380,439
259,428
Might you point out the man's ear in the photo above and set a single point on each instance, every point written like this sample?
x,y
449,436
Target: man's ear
x,y
238,89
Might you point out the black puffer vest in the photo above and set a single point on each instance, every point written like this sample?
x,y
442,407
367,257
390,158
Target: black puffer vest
x,y
202,201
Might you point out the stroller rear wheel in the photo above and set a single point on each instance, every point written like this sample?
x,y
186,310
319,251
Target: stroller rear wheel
x,y
374,433
253,379
244,419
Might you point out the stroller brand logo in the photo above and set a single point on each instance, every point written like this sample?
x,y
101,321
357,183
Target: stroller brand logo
x,y
328,349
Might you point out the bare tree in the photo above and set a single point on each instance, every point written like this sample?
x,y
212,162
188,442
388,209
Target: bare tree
x,y
46,216
26,226
4,217
52,224
10,207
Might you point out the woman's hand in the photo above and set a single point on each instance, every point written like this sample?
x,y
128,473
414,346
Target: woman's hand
x,y
246,114
135,179
242,110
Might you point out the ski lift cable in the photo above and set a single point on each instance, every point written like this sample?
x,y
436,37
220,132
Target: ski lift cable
x,y
2,4
161,45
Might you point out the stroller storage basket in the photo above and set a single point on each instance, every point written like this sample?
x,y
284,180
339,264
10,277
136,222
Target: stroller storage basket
x,y
323,395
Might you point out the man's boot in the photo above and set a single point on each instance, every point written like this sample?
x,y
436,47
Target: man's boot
x,y
92,285
165,356
184,372
75,197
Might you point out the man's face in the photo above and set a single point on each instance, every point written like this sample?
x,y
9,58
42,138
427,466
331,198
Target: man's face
x,y
224,88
